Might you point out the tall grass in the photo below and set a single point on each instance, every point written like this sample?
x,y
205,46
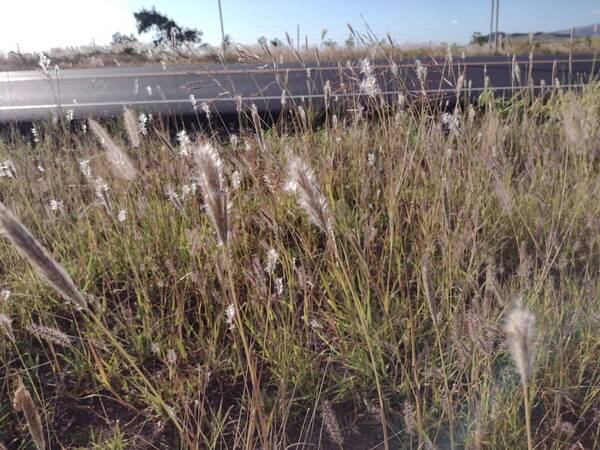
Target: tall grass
x,y
370,308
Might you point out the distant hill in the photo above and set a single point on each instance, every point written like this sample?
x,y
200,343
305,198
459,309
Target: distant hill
x,y
582,32
578,32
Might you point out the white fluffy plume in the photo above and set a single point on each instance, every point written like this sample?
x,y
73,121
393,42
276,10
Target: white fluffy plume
x,y
301,181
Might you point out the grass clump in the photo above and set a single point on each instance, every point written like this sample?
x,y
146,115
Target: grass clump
x,y
346,285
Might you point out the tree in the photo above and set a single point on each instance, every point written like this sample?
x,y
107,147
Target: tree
x,y
276,42
350,42
478,38
329,43
118,38
164,29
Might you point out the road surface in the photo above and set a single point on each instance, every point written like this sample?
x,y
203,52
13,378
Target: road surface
x,y
80,93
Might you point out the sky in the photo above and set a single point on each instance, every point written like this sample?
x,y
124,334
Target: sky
x,y
37,25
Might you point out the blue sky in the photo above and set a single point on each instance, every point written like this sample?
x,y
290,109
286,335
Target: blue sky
x,y
78,22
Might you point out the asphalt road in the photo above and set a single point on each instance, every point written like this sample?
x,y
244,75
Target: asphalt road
x,y
31,95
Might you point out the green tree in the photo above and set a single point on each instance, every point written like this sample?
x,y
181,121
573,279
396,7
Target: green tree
x,y
276,42
350,42
164,29
118,38
478,38
329,43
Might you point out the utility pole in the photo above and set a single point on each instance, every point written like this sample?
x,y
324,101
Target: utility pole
x,y
222,30
497,13
491,26
298,37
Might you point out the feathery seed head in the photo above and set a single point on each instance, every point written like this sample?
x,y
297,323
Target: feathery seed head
x,y
408,414
185,144
315,324
171,357
84,167
39,258
302,114
56,205
327,91
212,183
520,333
365,67
460,84
279,286
131,126
142,124
6,326
173,198
301,182
255,116
101,191
205,107
119,160
332,425
211,167
49,334
187,189
371,159
516,71
272,259
230,312
22,402
236,180
7,169
283,99
369,83
451,121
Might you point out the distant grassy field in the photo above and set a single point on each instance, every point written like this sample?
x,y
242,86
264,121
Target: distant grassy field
x,y
387,277
143,54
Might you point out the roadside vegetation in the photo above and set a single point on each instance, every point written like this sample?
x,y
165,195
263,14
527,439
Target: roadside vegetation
x,y
128,51
374,276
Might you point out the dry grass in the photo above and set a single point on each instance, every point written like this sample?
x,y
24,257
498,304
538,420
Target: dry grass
x,y
146,54
385,319
22,402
